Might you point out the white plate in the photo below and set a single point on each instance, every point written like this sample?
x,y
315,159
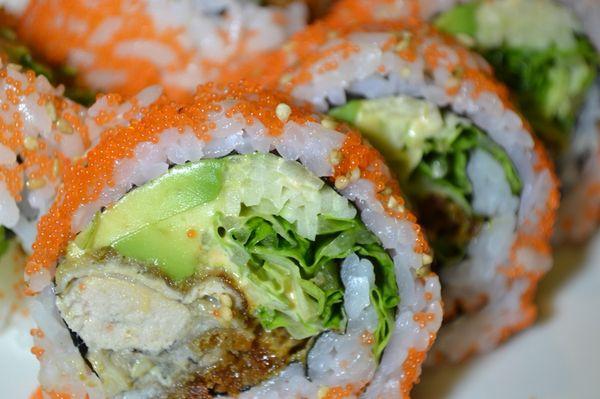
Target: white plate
x,y
18,367
557,358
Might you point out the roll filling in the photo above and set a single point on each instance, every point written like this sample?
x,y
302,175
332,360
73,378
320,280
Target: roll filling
x,y
216,275
434,153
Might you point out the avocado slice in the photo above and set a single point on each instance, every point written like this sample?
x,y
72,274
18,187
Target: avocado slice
x,y
180,189
395,124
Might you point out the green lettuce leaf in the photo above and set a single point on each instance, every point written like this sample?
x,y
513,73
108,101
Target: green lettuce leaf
x,y
429,150
441,191
298,280
550,85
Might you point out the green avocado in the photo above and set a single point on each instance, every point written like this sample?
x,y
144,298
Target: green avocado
x,y
400,127
141,225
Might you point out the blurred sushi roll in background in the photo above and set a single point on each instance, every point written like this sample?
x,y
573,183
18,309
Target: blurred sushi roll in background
x,y
546,51
123,46
479,182
237,245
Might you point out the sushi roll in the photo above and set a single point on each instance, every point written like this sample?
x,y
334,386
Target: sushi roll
x,y
479,182
124,46
239,246
551,67
41,133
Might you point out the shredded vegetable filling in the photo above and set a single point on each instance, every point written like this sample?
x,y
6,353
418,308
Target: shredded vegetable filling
x,y
213,277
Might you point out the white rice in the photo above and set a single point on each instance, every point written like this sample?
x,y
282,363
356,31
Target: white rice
x,y
375,71
311,144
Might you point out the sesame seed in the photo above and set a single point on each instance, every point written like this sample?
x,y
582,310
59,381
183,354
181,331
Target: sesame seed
x,y
50,110
285,79
404,42
427,259
354,175
452,82
64,126
394,205
283,111
34,184
55,168
341,182
465,39
335,157
288,47
30,143
328,123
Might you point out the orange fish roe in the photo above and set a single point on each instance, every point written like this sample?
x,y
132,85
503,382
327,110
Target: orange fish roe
x,y
340,392
39,160
357,159
422,318
37,394
127,48
411,368
528,311
81,20
323,46
367,338
86,179
37,332
364,11
37,351
62,395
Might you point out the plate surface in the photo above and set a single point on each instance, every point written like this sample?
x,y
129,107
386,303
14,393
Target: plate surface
x,y
555,359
